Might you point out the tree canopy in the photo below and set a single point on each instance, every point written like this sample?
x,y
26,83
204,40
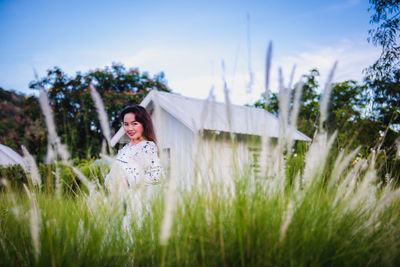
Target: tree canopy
x,y
383,77
385,33
74,111
21,122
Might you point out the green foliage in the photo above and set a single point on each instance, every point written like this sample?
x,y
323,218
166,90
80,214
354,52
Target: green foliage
x,y
309,109
385,34
68,180
386,98
309,104
21,123
361,120
75,115
383,77
347,115
13,173
271,104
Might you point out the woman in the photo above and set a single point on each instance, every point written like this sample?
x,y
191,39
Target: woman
x,y
137,162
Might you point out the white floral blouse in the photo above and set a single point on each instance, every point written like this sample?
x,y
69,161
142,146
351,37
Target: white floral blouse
x,y
139,163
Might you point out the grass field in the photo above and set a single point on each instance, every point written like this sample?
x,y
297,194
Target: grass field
x,y
331,210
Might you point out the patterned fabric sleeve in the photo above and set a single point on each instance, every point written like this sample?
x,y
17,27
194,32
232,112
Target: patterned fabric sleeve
x,y
153,170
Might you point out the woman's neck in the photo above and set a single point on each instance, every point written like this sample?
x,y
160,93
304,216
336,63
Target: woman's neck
x,y
137,141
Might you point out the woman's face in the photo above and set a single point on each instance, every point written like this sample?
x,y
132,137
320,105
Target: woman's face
x,y
133,128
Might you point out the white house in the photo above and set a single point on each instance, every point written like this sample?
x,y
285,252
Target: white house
x,y
194,134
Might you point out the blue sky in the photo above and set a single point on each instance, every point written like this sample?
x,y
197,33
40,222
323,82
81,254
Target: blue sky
x,y
187,40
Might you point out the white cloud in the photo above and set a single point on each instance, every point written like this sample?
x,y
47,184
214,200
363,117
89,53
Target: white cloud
x,y
352,58
192,71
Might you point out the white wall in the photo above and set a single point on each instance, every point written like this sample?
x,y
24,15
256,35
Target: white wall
x,y
192,158
175,142
220,158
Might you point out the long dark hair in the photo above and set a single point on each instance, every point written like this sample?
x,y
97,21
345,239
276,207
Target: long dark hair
x,y
142,116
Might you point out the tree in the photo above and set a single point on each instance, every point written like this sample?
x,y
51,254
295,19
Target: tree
x,y
21,123
347,115
383,77
347,106
308,114
386,99
309,104
74,111
385,34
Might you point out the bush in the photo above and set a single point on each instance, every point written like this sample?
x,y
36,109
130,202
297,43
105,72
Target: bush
x,y
15,174
69,181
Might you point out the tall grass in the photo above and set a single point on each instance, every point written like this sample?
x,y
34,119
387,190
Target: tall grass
x,y
302,209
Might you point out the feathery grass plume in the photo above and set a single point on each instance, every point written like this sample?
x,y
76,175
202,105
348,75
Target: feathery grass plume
x,y
158,119
267,71
383,202
170,207
345,188
48,116
291,78
323,108
341,163
207,113
31,169
365,194
34,222
318,152
85,181
58,182
316,157
51,128
294,115
51,155
287,218
226,95
11,198
103,147
284,98
265,145
55,140
101,113
251,73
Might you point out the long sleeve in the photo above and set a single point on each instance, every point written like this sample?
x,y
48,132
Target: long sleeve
x,y
153,171
137,164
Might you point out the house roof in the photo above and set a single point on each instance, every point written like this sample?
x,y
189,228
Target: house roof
x,y
9,156
197,114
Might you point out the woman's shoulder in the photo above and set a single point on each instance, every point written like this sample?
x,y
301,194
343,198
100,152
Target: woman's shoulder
x,y
149,145
127,145
123,150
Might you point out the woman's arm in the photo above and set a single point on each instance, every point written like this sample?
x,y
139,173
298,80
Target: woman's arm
x,y
153,171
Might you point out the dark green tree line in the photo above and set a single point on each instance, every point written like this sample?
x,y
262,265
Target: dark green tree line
x,y
74,111
21,122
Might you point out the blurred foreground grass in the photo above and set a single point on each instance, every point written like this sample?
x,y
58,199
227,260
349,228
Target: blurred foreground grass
x,y
318,207
257,223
